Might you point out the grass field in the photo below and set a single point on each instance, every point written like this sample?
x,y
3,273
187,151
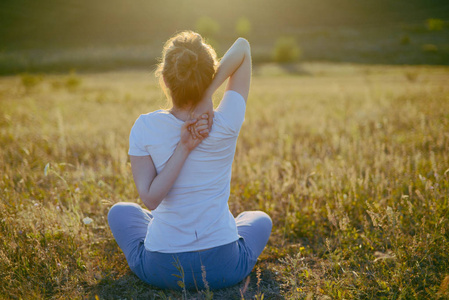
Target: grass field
x,y
350,161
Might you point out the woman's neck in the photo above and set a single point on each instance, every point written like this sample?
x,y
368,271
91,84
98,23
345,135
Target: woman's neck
x,y
181,113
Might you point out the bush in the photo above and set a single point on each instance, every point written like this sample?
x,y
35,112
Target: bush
x,y
243,27
411,76
405,40
73,81
435,24
286,50
29,81
429,48
207,27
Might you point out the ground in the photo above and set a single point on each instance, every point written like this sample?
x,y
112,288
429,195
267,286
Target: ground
x,y
350,161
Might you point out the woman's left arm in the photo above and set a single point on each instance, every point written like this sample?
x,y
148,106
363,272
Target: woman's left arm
x,y
153,187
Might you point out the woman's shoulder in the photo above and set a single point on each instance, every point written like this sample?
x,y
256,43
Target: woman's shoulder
x,y
231,102
154,121
231,111
153,114
234,96
150,117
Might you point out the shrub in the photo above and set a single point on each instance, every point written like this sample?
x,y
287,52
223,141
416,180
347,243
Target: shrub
x,y
435,24
207,27
243,27
411,76
405,40
30,81
70,82
429,48
73,81
286,50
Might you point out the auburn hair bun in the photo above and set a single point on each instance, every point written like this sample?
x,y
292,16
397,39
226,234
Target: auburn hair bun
x,y
185,63
187,68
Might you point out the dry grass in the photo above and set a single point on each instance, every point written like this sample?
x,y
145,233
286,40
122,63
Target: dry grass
x,y
351,162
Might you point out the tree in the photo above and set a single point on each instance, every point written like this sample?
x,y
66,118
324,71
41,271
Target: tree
x,y
286,50
207,27
243,27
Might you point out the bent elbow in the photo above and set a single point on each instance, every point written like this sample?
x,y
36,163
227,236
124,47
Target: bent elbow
x,y
151,207
244,42
245,47
151,204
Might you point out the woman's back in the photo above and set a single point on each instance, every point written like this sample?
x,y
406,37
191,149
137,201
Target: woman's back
x,y
194,215
184,178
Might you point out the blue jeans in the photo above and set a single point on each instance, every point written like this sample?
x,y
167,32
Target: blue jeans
x,y
218,267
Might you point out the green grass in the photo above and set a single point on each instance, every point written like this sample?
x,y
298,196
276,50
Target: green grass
x,y
350,161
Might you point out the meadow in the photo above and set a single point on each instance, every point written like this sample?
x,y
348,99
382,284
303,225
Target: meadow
x,y
350,161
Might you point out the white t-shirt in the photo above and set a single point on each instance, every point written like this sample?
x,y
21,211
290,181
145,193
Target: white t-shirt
x,y
195,213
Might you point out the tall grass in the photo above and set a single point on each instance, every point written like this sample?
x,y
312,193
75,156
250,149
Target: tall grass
x,y
351,162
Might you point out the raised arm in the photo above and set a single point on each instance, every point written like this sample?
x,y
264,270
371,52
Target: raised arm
x,y
235,65
153,187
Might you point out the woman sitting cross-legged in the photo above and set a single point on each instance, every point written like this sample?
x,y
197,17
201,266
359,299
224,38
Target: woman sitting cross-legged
x,y
182,170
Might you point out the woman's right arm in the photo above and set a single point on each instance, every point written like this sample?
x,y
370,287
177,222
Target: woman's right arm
x,y
153,187
235,65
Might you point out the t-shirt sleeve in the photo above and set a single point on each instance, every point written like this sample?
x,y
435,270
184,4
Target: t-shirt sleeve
x,y
232,108
136,147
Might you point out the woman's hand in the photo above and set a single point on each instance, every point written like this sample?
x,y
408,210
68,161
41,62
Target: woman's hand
x,y
204,110
188,140
197,129
154,187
